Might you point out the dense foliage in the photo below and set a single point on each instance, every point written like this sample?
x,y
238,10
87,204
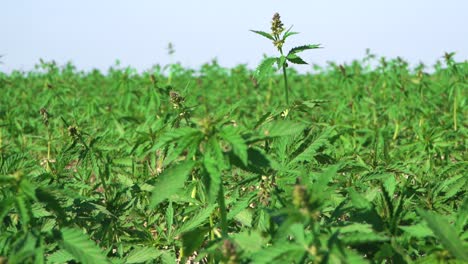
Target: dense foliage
x,y
366,165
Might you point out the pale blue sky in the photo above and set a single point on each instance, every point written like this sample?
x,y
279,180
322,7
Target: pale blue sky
x,y
94,33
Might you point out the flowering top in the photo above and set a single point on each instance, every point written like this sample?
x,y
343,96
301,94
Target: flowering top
x,y
277,28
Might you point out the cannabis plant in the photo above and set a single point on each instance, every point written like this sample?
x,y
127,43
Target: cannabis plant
x,y
278,36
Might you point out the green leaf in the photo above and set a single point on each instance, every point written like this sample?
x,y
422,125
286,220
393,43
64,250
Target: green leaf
x,y
281,61
50,200
192,240
258,161
265,68
310,151
196,220
170,182
249,241
28,189
6,204
281,128
244,217
7,179
168,257
446,234
459,185
239,147
187,141
302,48
363,238
418,230
293,58
358,201
214,173
142,254
269,254
390,185
24,210
81,247
123,162
240,205
174,135
60,256
169,218
289,33
462,216
263,33
356,227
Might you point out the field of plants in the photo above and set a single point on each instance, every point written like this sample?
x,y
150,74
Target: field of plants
x,y
356,163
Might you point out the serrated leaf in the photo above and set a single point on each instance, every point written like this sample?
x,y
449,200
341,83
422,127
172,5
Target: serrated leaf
x,y
293,58
7,179
249,241
418,230
124,180
240,205
174,135
244,217
23,209
169,218
168,257
287,34
38,211
196,220
142,254
459,184
123,162
358,201
356,227
269,254
310,151
239,147
281,128
60,256
6,204
192,240
50,200
265,67
462,216
263,33
81,247
353,257
313,103
170,182
390,185
28,189
211,166
188,141
446,234
102,209
363,238
296,231
281,61
302,48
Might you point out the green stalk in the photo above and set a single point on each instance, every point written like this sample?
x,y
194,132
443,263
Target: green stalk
x,y
455,109
1,141
48,149
222,208
286,90
396,131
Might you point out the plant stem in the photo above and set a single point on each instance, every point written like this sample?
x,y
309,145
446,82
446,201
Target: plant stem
x,y
222,208
1,141
48,149
455,109
286,90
